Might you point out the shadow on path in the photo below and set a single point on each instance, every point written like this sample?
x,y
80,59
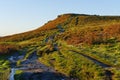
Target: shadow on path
x,y
42,76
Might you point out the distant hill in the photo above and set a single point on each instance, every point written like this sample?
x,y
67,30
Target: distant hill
x,y
72,23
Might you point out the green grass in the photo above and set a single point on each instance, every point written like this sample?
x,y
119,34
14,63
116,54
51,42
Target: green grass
x,y
107,53
4,68
77,66
73,65
4,74
116,75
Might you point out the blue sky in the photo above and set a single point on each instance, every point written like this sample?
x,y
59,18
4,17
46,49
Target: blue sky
x,y
18,16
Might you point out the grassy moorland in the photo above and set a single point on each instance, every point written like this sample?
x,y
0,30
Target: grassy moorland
x,y
73,44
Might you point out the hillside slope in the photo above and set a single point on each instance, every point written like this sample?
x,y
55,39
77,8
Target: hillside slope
x,y
79,46
67,21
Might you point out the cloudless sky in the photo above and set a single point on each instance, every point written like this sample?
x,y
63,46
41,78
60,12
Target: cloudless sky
x,y
18,16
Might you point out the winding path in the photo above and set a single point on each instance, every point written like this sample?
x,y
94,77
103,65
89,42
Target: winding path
x,y
32,68
94,60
